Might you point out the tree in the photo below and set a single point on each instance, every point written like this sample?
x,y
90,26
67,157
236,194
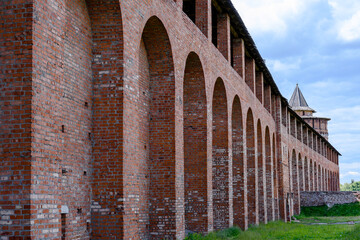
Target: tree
x,y
353,186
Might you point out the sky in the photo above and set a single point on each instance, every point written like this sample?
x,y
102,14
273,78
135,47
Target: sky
x,y
315,43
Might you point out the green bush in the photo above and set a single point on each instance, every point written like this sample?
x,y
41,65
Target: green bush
x,y
353,186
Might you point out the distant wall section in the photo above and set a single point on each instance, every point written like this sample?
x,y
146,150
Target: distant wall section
x,y
309,199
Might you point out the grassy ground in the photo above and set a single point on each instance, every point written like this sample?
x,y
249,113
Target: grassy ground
x,y
309,220
286,231
351,209
301,230
323,214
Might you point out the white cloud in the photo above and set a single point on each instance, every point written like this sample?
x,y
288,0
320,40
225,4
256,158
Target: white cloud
x,y
349,167
284,66
344,132
349,174
346,14
270,16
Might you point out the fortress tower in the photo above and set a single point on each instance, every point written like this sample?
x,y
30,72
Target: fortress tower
x,y
299,105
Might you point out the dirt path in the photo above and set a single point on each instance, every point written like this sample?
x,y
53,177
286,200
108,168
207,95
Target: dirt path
x,y
337,223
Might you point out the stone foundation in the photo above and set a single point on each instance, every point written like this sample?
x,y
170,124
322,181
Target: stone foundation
x,y
311,199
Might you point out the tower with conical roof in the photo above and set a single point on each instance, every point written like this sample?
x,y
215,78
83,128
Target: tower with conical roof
x,y
299,105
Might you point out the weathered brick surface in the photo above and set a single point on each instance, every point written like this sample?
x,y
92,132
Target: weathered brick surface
x,y
310,199
15,117
122,119
195,154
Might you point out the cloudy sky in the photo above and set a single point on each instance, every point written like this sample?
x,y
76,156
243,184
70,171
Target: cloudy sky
x,y
315,43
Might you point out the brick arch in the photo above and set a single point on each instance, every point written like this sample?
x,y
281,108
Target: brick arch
x,y
326,179
306,174
238,165
323,177
157,86
260,170
251,169
330,180
316,186
275,178
319,177
195,146
220,152
289,204
269,177
301,173
295,181
107,145
311,172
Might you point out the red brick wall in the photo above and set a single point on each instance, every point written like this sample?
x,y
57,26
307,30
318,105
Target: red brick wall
x,y
252,188
107,72
195,143
62,118
239,165
139,125
15,117
260,171
269,171
220,157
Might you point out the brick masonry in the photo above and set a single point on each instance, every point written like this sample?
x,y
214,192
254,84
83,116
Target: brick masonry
x,y
310,199
123,120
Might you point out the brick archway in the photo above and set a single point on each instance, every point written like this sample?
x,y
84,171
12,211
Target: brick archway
x,y
311,170
238,165
316,180
195,146
251,170
276,179
295,181
269,177
159,128
220,157
260,170
301,173
306,172
107,147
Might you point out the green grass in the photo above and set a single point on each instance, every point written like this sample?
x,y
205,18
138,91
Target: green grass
x,y
308,220
285,231
351,209
295,231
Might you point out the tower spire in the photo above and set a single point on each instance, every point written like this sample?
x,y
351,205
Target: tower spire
x,y
298,103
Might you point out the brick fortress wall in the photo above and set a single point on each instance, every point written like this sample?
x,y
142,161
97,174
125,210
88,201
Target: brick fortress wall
x,y
143,119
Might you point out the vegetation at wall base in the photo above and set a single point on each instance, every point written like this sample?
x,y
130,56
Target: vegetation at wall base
x,y
303,230
284,231
350,209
